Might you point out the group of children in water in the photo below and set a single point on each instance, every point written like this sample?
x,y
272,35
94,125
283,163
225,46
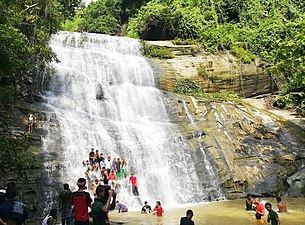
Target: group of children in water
x,y
259,208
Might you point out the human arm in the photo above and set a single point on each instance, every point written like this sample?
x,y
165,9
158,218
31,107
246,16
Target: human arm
x,y
2,222
112,205
106,207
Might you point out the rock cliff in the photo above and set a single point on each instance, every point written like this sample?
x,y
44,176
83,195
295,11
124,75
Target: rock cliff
x,y
251,150
213,72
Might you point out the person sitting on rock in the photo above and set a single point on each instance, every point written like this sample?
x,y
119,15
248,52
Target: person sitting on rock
x,y
92,157
112,179
94,185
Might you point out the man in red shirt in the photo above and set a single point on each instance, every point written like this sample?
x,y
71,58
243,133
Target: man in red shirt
x,y
134,184
81,201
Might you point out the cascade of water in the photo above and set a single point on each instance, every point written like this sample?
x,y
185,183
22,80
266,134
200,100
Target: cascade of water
x,y
186,110
104,96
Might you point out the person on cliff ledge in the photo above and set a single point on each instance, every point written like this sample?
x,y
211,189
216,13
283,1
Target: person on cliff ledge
x,y
31,122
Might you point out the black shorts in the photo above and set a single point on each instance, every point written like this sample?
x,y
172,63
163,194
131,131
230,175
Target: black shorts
x,y
81,222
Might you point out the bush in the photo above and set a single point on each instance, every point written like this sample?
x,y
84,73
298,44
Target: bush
x,y
152,51
187,87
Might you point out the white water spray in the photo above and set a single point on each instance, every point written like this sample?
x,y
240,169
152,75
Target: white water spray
x,y
104,96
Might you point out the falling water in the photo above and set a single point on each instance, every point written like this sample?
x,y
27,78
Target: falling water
x,y
104,96
186,110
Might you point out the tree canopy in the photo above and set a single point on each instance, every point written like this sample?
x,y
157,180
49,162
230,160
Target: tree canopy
x,y
272,30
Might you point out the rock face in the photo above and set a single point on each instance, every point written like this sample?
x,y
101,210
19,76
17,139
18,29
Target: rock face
x,y
212,72
297,184
251,151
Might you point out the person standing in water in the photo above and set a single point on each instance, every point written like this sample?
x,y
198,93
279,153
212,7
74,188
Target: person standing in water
x,y
187,220
249,203
146,208
158,209
272,217
102,205
65,205
81,201
259,209
281,205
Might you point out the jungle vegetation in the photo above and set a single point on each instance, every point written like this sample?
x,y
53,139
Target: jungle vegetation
x,y
273,30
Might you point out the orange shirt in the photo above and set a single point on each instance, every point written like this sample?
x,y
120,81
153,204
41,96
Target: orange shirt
x,y
260,209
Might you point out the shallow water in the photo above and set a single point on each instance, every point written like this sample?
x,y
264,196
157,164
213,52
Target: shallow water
x,y
217,213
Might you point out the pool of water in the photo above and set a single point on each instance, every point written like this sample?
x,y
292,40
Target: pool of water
x,y
216,213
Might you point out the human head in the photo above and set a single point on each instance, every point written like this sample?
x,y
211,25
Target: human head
x,y
117,202
249,196
158,203
96,181
102,191
53,212
145,203
11,190
109,158
81,183
278,199
189,213
268,206
66,186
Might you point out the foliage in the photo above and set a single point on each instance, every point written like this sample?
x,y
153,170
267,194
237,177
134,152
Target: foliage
x,y
16,156
154,21
25,27
187,87
190,87
157,52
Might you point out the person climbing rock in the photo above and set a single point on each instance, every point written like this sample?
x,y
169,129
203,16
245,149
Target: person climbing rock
x,y
187,220
50,218
134,184
81,201
272,216
65,205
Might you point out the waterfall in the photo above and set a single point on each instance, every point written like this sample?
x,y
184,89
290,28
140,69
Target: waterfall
x,y
104,97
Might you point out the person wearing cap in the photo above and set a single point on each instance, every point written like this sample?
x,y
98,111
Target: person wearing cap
x,y
146,208
81,200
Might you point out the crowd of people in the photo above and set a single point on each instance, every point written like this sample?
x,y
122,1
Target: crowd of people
x,y
259,208
104,170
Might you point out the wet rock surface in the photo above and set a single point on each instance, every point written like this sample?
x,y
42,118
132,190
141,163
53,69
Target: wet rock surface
x,y
251,151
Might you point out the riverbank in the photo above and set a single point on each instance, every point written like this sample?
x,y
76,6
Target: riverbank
x,y
216,213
